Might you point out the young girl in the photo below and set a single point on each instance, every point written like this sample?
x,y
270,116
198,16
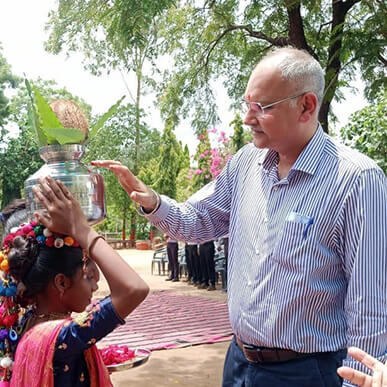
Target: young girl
x,y
46,260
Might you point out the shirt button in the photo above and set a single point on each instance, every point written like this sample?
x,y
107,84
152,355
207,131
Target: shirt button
x,y
257,251
275,188
265,220
249,283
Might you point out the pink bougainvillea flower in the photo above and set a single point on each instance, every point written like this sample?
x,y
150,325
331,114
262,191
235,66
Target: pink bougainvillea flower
x,y
198,171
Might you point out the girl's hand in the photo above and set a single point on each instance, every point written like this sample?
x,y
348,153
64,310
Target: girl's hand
x,y
135,188
65,215
379,377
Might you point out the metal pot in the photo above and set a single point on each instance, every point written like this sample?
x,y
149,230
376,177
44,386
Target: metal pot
x,y
63,163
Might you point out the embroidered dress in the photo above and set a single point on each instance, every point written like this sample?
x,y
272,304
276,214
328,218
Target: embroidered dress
x,y
71,345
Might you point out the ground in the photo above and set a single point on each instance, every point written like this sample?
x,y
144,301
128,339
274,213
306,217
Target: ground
x,y
199,366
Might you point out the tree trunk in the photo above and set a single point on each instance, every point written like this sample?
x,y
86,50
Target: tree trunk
x,y
137,138
333,67
124,213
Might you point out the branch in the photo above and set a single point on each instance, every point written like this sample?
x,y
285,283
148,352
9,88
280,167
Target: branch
x,y
323,25
383,60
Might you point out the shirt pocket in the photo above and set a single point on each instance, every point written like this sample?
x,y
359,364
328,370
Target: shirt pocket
x,y
292,242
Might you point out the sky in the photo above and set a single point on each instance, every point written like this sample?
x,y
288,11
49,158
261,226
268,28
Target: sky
x,y
22,36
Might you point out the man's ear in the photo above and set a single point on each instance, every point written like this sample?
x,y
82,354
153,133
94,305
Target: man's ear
x,y
62,283
309,107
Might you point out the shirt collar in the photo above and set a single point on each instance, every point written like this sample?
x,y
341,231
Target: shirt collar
x,y
307,161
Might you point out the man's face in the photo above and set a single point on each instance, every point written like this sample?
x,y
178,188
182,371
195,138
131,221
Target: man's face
x,y
278,128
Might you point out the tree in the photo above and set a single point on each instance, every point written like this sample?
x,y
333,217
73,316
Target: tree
x,y
7,80
367,131
169,162
218,40
117,141
210,160
239,137
112,35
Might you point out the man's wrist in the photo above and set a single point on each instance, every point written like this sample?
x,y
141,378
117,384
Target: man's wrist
x,y
147,211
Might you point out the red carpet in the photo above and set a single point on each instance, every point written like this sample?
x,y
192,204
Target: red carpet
x,y
168,320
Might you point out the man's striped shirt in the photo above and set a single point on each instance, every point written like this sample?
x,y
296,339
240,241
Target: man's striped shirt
x,y
307,253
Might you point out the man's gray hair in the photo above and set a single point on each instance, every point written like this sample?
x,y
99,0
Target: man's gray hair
x,y
299,68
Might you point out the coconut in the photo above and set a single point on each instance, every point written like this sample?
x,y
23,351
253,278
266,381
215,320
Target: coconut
x,y
70,115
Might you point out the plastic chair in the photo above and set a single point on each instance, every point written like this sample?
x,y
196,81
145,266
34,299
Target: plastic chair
x,y
160,259
182,262
220,268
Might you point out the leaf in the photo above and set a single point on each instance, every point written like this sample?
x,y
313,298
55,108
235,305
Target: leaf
x,y
66,135
33,117
47,117
100,123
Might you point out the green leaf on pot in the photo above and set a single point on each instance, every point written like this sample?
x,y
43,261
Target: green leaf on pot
x,y
100,123
48,119
33,117
66,135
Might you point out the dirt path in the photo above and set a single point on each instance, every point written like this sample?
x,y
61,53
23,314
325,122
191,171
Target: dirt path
x,y
199,366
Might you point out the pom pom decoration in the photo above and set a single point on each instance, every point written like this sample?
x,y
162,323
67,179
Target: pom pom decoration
x,y
68,241
47,233
6,362
58,243
4,266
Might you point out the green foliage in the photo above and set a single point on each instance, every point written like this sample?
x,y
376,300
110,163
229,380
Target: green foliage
x,y
367,131
202,175
118,142
238,139
169,162
7,80
222,41
102,120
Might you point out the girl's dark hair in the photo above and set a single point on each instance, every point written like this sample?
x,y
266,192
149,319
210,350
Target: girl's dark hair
x,y
13,215
36,265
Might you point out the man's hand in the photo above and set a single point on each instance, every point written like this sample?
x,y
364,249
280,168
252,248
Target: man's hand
x,y
136,189
379,377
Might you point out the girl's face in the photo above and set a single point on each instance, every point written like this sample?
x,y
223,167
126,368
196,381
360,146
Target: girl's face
x,y
84,284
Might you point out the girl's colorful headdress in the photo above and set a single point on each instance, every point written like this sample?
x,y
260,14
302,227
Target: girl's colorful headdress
x,y
40,234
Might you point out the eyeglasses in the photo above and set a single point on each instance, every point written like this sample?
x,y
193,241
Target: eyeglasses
x,y
260,110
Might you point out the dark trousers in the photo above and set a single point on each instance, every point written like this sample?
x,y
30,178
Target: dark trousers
x,y
194,258
172,252
316,370
207,253
191,255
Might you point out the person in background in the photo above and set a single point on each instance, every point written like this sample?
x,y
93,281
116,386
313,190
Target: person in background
x,y
307,220
206,254
13,215
173,258
192,253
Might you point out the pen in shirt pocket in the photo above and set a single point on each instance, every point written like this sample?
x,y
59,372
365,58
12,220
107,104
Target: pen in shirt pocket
x,y
303,219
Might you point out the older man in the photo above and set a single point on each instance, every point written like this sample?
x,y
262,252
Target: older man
x,y
306,219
